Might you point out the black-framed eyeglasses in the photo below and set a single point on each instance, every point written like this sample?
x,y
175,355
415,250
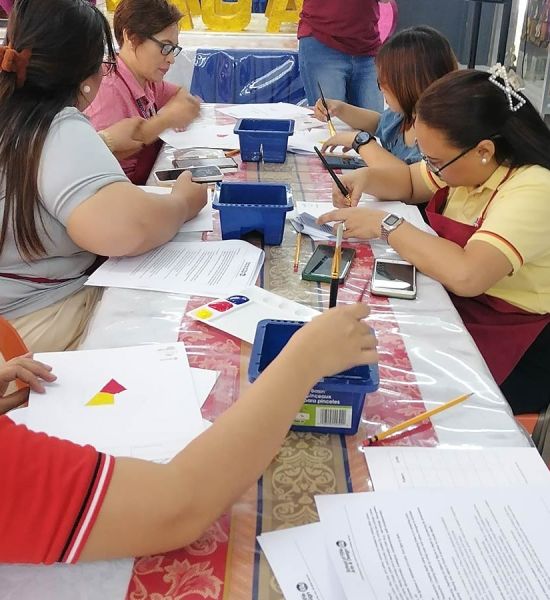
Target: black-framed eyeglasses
x,y
165,47
437,170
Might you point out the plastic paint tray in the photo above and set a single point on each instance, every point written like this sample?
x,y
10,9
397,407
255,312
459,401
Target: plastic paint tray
x,y
264,139
239,314
247,207
335,404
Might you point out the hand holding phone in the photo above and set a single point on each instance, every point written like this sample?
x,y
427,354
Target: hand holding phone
x,y
193,195
395,278
198,174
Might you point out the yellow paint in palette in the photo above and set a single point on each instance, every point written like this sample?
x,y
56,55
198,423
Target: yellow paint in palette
x,y
204,313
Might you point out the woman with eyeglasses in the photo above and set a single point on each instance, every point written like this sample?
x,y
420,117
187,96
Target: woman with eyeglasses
x,y
486,174
147,35
64,198
406,65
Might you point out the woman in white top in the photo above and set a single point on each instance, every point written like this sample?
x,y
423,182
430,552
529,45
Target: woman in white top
x,y
64,199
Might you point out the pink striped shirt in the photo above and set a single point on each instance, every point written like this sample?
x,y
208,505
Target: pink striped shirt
x,y
121,96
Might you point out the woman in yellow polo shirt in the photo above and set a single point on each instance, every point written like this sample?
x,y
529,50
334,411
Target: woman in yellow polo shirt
x,y
486,168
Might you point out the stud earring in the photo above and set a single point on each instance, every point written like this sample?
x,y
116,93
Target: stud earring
x,y
86,89
483,161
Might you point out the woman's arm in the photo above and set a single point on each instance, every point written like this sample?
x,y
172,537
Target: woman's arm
x,y
372,152
151,508
357,118
181,110
467,272
124,220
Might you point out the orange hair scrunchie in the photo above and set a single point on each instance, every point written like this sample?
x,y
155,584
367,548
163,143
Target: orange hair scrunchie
x,y
12,61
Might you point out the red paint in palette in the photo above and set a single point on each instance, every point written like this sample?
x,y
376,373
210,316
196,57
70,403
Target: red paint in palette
x,y
221,305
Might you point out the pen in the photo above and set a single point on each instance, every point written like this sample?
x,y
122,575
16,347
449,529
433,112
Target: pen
x,y
335,177
297,251
335,268
331,128
418,419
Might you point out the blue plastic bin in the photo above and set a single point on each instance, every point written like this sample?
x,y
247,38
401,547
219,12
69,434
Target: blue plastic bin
x,y
264,138
246,207
335,404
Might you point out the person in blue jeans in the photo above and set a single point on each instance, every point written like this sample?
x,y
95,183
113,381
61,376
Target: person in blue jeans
x,y
338,44
406,65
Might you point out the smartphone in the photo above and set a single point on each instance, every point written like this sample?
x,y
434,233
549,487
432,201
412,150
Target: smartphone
x,y
198,174
395,278
221,163
319,266
337,161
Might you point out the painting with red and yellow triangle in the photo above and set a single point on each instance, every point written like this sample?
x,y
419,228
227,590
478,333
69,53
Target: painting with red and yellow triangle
x,y
107,394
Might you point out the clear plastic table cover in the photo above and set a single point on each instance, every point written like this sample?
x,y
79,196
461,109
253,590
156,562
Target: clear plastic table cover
x,y
426,357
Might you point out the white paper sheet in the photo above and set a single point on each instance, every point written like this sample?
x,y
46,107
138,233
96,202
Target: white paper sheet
x,y
299,561
274,110
209,136
153,417
451,543
303,142
203,380
202,222
105,580
201,268
401,467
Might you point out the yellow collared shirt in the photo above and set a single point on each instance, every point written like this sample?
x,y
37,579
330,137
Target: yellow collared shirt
x,y
517,222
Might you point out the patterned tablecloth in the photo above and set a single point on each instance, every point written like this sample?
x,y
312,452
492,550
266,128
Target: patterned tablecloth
x,y
425,356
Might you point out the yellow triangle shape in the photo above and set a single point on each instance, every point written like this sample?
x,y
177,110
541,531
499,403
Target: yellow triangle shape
x,y
101,398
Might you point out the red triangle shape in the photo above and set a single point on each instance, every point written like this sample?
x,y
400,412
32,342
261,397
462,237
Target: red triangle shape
x,y
113,387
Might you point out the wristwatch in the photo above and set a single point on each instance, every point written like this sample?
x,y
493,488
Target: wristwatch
x,y
362,138
389,223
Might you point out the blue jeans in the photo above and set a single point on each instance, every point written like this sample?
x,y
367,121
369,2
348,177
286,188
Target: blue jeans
x,y
342,76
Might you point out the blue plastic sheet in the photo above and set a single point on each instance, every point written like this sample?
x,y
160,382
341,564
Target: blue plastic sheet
x,y
245,76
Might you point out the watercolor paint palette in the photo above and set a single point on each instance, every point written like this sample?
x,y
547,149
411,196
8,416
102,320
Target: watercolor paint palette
x,y
239,314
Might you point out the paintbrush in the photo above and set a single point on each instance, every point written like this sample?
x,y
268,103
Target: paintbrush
x,y
331,127
344,191
335,269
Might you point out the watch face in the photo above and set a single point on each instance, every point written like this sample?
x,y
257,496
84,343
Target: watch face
x,y
362,137
391,220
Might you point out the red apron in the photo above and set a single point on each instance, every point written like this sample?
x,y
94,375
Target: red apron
x,y
502,332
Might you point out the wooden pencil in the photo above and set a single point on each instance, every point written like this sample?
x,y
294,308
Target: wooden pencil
x,y
418,419
297,251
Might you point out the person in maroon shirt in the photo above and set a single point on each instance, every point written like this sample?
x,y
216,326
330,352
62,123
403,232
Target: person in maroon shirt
x,y
338,44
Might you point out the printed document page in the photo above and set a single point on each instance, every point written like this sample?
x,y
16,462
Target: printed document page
x,y
401,467
299,560
442,544
200,268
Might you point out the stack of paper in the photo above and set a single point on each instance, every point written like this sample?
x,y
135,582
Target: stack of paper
x,y
138,401
200,268
486,538
202,222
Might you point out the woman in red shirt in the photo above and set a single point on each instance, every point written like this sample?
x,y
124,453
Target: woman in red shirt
x,y
62,502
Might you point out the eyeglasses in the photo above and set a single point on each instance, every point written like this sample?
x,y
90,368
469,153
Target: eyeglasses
x,y
166,48
437,170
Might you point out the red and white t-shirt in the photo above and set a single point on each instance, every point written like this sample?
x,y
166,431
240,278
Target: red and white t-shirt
x,y
51,491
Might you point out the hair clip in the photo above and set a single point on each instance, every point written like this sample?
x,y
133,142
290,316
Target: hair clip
x,y
511,86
